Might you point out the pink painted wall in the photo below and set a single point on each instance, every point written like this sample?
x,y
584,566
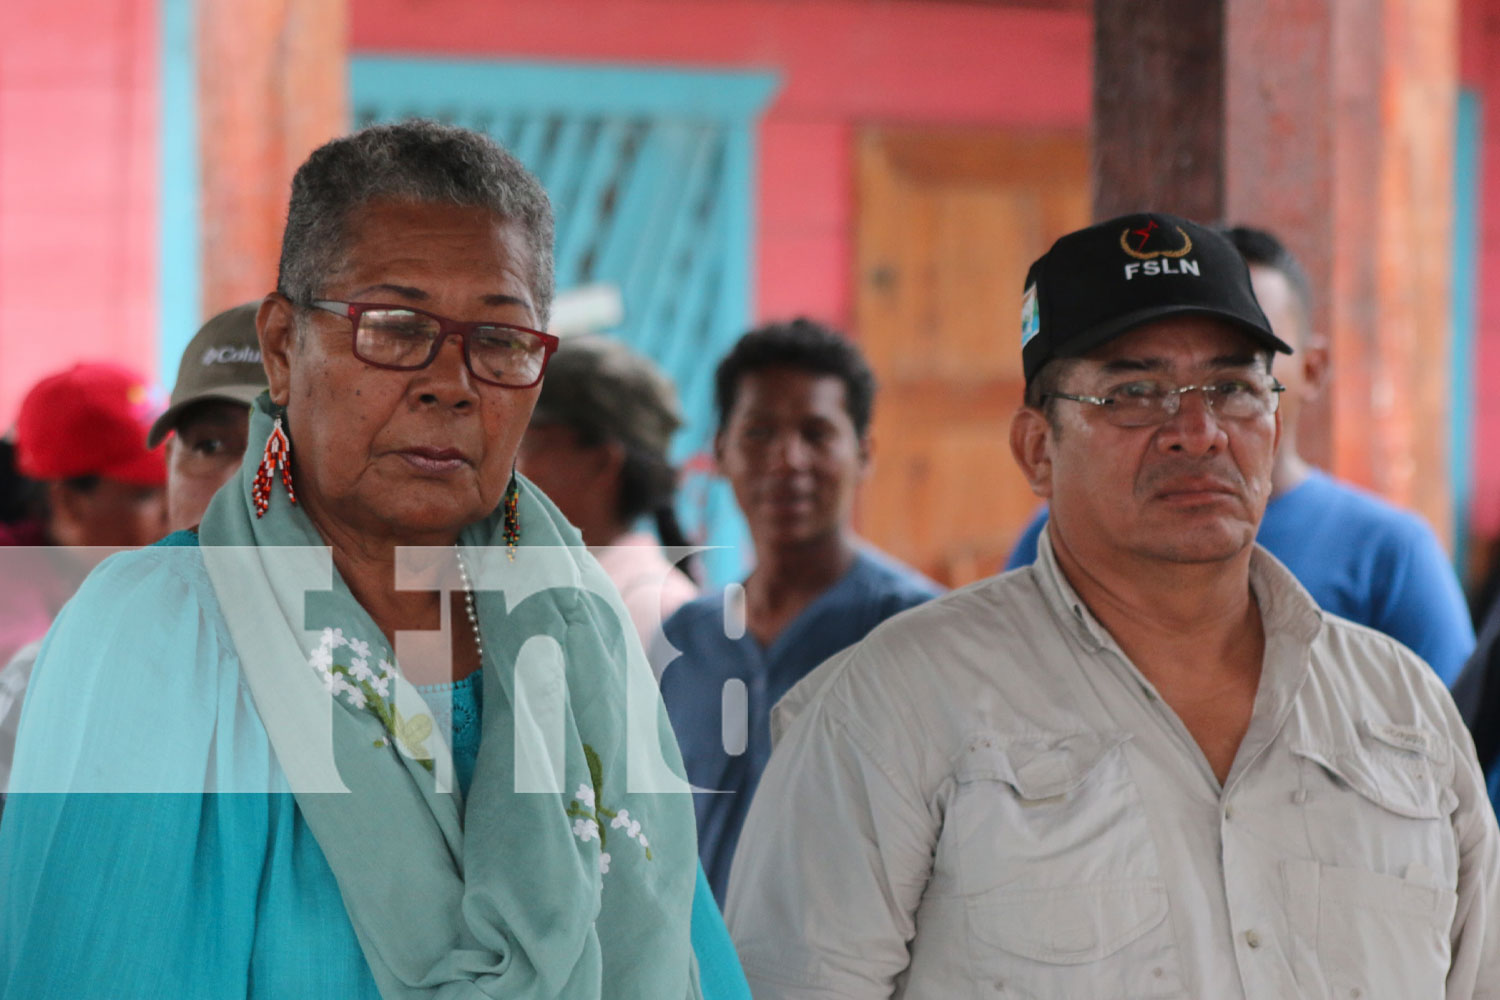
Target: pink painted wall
x,y
78,187
1479,41
844,63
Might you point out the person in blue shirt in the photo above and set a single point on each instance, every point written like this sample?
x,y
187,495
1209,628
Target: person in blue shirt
x,y
794,402
1358,556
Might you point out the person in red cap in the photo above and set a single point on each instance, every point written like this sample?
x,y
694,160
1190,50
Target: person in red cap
x,y
87,479
82,433
80,439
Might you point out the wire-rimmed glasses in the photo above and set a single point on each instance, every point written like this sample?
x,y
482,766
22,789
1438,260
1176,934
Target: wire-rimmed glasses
x,y
1147,402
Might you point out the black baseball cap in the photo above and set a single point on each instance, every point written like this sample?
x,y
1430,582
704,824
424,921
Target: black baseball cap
x,y
1097,283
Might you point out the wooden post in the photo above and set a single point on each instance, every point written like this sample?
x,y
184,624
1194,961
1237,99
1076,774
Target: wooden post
x,y
271,89
1159,107
1336,119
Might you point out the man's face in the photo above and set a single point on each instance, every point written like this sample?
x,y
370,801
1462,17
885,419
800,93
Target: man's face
x,y
202,455
1304,372
1191,489
790,451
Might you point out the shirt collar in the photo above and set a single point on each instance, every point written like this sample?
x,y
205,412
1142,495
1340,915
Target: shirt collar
x,y
1287,610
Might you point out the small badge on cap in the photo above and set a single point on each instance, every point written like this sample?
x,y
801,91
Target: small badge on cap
x,y
1031,316
1148,234
1168,257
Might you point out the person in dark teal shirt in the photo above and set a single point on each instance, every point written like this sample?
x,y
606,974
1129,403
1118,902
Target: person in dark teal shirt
x,y
794,403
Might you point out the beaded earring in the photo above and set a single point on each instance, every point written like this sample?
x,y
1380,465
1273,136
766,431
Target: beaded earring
x,y
278,455
511,526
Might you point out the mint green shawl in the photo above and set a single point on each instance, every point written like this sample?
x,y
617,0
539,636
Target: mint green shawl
x,y
569,871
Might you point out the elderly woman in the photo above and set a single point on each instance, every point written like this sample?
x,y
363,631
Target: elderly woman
x,y
461,825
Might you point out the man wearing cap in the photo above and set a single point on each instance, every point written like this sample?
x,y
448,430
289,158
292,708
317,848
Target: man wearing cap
x,y
1359,557
219,375
1147,765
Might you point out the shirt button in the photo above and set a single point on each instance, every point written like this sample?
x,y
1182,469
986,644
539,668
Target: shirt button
x,y
1229,812
1252,939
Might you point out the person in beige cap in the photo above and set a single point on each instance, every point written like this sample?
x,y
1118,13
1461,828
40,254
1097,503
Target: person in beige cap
x,y
219,375
597,446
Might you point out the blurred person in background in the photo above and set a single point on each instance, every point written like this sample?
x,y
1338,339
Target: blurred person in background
x,y
206,425
794,403
597,446
83,477
204,429
1358,556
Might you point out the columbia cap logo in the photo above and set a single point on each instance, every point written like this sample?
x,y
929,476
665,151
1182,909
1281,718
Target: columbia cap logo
x,y
231,355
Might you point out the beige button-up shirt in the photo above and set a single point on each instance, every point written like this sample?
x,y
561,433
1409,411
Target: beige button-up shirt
x,y
985,799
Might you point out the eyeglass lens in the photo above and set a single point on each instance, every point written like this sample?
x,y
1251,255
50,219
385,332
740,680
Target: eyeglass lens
x,y
400,338
1149,402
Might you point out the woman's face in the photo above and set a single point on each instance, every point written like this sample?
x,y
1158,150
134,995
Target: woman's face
x,y
408,457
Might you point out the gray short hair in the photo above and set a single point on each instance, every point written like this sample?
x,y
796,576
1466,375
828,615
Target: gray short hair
x,y
1044,383
415,161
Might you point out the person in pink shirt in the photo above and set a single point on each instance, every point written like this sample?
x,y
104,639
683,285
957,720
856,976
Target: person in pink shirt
x,y
597,446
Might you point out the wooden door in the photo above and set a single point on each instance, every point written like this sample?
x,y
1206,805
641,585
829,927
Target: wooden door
x,y
948,224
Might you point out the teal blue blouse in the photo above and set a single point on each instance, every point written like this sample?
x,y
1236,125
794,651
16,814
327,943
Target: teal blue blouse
x,y
188,894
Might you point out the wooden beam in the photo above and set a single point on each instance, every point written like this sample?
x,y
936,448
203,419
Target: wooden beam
x,y
1159,107
271,89
1329,122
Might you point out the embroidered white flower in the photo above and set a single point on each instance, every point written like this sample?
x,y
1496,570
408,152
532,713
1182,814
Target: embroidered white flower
x,y
359,648
585,794
603,862
642,839
382,686
360,668
585,830
632,827
356,697
333,638
321,659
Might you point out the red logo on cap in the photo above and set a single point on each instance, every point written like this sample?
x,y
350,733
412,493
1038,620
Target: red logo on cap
x,y
1142,236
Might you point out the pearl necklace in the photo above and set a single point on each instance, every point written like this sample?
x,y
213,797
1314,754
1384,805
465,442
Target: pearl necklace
x,y
463,573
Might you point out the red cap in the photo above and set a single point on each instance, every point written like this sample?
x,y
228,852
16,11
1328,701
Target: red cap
x,y
90,420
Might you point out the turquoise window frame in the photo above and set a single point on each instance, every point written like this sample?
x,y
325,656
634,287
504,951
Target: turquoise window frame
x,y
1467,197
179,285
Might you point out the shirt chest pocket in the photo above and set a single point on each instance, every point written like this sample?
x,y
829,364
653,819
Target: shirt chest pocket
x,y
1371,912
1053,854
